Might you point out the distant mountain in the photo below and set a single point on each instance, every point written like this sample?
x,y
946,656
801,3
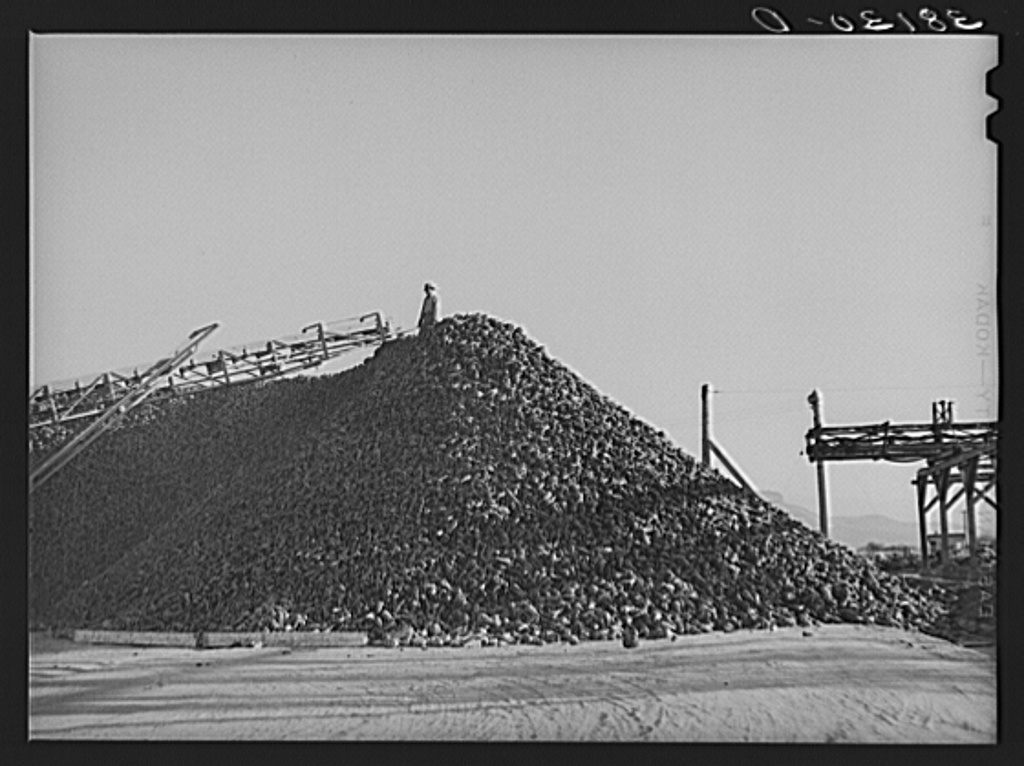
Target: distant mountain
x,y
858,531
854,531
804,515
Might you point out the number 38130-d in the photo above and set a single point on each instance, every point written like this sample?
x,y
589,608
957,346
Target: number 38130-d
x,y
869,20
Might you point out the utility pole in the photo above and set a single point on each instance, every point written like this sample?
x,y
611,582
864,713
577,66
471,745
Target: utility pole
x,y
708,446
815,401
705,420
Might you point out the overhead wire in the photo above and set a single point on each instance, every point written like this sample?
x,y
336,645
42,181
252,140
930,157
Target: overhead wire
x,y
844,389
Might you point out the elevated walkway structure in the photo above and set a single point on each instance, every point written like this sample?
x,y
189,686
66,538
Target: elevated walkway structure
x,y
140,389
963,454
320,342
265,360
105,399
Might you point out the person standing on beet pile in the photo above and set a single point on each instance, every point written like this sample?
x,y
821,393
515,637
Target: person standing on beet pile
x,y
428,314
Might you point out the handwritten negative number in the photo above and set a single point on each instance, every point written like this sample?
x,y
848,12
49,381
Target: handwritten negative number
x,y
841,23
773,21
873,22
960,20
934,22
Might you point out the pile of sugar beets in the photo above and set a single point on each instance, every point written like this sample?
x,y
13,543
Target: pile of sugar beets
x,y
454,487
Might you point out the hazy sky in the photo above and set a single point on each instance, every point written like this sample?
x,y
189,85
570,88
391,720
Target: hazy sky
x,y
766,214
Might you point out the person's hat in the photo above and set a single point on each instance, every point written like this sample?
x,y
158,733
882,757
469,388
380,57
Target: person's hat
x,y
429,286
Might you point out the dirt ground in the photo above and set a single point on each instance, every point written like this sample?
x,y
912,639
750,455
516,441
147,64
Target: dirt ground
x,y
842,683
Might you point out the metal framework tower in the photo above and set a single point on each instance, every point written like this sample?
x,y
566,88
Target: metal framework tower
x,y
954,453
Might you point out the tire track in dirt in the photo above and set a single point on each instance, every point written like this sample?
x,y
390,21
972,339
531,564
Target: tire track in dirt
x,y
845,684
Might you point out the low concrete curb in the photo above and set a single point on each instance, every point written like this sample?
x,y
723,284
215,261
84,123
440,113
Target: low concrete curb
x,y
133,638
298,639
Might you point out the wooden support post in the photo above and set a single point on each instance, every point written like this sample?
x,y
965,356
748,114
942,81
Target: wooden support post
x,y
380,326
320,337
273,366
822,500
969,472
815,401
323,340
922,515
52,403
942,484
705,424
